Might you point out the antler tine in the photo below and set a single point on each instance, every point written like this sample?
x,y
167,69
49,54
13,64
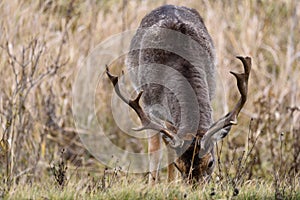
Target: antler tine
x,y
242,83
231,117
134,104
146,122
115,80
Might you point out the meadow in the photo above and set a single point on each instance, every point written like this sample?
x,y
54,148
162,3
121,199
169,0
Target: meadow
x,y
42,47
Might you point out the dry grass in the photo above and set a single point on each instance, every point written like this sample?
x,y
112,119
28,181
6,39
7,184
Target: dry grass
x,y
125,188
43,43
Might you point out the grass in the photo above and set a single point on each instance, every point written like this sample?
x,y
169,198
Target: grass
x,y
44,43
137,189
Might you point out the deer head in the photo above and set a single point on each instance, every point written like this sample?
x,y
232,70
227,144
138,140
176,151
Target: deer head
x,y
196,158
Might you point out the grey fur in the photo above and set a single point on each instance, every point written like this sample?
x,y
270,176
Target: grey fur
x,y
161,40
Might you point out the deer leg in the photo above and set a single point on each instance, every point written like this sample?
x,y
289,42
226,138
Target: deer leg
x,y
154,151
171,167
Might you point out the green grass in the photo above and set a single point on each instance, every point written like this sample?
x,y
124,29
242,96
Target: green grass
x,y
136,188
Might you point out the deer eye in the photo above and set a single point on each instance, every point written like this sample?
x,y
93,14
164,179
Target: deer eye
x,y
210,163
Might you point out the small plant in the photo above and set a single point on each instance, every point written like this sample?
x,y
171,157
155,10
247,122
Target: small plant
x,y
110,177
59,171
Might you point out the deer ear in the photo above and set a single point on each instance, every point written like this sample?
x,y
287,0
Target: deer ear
x,y
208,141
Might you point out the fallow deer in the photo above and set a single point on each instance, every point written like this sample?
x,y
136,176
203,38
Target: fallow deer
x,y
172,64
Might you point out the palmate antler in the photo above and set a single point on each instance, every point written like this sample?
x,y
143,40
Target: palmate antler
x,y
221,127
215,133
147,123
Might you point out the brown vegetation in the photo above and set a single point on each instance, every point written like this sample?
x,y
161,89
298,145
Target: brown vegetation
x,y
42,44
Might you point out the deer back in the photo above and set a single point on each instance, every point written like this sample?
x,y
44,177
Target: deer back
x,y
172,59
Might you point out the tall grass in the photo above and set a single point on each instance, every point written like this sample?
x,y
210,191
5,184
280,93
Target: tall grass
x,y
42,44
